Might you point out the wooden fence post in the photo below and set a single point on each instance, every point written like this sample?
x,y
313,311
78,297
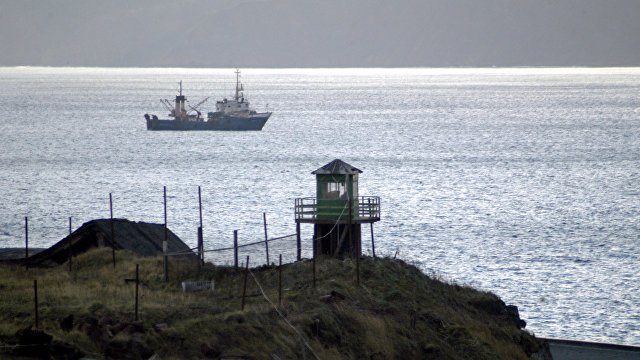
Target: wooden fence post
x,y
35,301
70,248
113,238
164,243
165,262
235,249
350,222
373,245
244,283
358,269
314,259
200,234
200,204
200,249
26,241
266,239
298,243
137,282
70,257
280,282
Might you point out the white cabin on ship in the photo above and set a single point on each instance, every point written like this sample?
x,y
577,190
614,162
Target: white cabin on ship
x,y
238,107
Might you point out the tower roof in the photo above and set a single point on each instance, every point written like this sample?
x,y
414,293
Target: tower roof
x,y
337,166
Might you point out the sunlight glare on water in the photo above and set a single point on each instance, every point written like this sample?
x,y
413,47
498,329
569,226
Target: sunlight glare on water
x,y
523,182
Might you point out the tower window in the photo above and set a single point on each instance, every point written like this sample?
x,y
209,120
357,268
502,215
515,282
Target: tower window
x,y
334,191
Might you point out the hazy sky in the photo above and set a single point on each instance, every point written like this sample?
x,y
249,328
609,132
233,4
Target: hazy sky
x,y
327,33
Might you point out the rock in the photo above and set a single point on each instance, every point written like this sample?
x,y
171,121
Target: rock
x,y
491,305
137,346
512,310
29,336
66,324
134,348
117,328
133,327
209,351
530,344
42,346
107,332
105,321
160,328
544,353
89,326
137,337
514,316
334,296
105,325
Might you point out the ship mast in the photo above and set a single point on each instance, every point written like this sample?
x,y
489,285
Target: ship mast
x,y
179,112
239,87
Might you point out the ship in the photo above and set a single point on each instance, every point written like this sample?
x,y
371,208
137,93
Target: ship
x,y
231,114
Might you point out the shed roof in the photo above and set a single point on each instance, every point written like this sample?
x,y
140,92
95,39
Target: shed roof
x,y
144,239
337,166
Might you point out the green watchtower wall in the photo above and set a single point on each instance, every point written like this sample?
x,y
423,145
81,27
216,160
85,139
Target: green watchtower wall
x,y
333,193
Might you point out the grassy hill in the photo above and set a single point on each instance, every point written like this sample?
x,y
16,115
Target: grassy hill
x,y
396,312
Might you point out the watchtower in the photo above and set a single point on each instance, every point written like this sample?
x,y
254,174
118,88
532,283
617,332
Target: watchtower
x,y
337,211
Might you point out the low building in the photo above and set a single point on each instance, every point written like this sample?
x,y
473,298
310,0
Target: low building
x,y
144,239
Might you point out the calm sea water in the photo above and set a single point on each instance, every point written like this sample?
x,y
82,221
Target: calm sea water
x,y
523,182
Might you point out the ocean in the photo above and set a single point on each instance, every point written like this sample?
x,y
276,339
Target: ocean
x,y
521,181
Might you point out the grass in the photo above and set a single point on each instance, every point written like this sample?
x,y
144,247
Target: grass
x,y
397,312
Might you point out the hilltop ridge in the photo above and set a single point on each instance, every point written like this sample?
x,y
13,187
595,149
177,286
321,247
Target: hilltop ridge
x,y
397,312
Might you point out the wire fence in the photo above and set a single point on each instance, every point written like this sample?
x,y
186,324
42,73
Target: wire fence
x,y
257,250
261,252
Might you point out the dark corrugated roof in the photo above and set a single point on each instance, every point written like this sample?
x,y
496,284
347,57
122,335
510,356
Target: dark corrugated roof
x,y
337,166
17,253
144,239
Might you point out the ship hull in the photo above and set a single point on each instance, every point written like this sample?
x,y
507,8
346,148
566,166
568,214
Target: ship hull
x,y
223,123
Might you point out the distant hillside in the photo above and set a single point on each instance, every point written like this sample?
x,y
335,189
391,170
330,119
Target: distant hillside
x,y
331,33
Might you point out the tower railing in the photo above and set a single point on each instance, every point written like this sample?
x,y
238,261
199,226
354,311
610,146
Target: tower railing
x,y
366,208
